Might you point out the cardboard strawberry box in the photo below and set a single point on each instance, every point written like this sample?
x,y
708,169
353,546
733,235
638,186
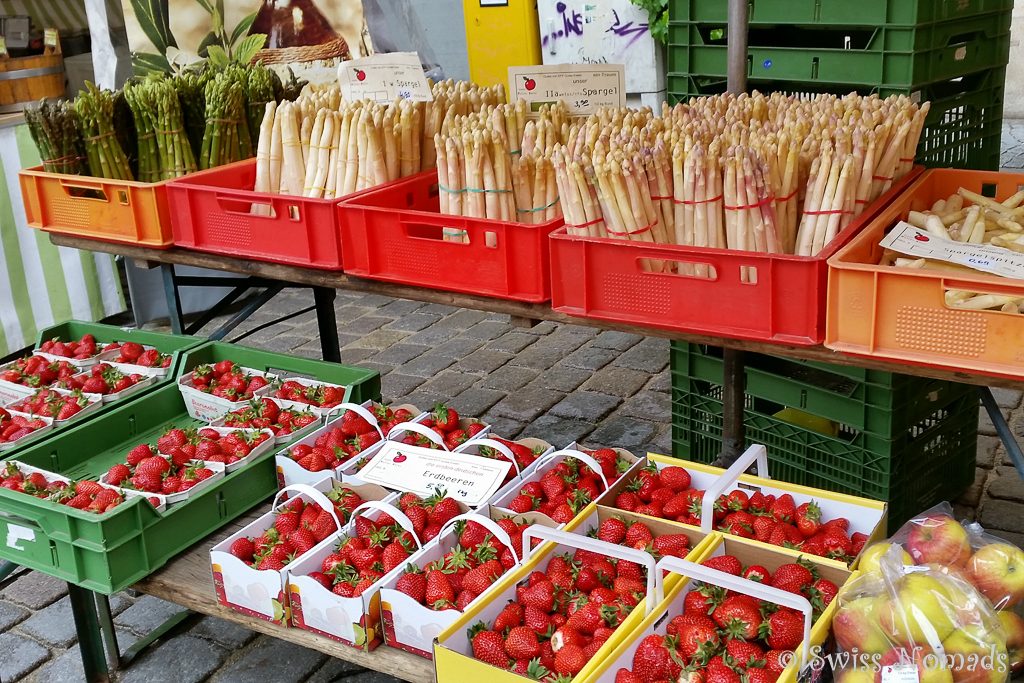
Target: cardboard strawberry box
x,y
303,393
353,618
289,469
6,442
265,412
709,496
249,436
205,406
9,467
259,592
616,526
54,402
24,376
168,499
473,647
79,382
409,624
592,483
113,355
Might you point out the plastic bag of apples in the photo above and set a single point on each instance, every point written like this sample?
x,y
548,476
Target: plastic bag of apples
x,y
935,541
898,622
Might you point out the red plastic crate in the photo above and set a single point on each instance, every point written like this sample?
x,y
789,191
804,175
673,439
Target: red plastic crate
x,y
394,233
602,278
212,211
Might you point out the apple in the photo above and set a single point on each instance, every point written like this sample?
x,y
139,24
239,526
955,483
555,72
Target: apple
x,y
529,83
922,612
975,654
858,674
856,625
872,555
938,538
1014,627
997,570
930,667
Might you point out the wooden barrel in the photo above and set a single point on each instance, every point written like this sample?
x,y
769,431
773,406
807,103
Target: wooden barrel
x,y
25,80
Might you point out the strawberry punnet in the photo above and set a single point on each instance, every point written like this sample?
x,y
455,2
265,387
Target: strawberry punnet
x,y
102,378
85,495
226,380
298,526
133,353
14,427
51,403
80,349
726,637
667,493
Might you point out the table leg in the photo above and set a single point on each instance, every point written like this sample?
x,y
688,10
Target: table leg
x,y
106,622
733,400
173,300
90,642
327,323
6,569
1002,429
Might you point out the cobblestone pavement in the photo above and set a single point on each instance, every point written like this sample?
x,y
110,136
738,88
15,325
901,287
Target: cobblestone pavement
x,y
559,382
1012,144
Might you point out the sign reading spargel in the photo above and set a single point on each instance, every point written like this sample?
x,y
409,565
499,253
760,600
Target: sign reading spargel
x,y
424,471
912,241
385,78
584,88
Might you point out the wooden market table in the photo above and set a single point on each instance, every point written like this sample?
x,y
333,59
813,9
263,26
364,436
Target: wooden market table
x,y
187,580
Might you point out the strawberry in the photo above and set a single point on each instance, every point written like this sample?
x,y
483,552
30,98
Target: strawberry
x,y
783,509
522,643
540,596
675,478
703,599
739,616
652,660
745,654
698,640
488,646
570,660
821,593
757,674
790,575
612,530
638,535
413,583
511,616
756,572
118,473
724,563
672,545
783,630
808,518
439,593
776,661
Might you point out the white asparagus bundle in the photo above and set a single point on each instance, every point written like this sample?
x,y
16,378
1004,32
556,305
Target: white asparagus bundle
x,y
497,164
972,218
323,147
774,174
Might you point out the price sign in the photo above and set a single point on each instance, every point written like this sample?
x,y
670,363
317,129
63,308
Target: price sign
x,y
424,471
584,88
50,37
912,241
385,78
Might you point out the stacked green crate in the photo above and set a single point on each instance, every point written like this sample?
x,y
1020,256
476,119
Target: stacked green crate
x,y
948,52
908,441
110,551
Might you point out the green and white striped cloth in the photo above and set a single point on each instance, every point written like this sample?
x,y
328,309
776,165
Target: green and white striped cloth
x,y
66,15
41,284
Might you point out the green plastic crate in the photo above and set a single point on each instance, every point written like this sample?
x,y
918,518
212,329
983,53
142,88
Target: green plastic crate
x,y
963,128
365,384
924,462
878,404
109,552
839,12
893,57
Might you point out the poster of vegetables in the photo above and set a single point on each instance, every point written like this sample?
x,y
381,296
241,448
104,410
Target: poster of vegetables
x,y
167,34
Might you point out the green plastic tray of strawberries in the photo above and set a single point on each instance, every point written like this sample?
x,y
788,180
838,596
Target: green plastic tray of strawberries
x,y
109,552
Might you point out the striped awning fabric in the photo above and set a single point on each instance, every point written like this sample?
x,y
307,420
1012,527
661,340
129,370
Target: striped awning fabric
x,y
67,15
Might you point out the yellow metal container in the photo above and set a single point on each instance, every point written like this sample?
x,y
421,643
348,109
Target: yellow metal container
x,y
500,34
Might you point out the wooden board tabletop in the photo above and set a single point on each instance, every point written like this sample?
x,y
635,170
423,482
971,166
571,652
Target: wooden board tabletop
x,y
518,310
187,581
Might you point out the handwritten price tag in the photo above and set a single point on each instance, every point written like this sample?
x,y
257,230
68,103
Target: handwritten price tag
x,y
385,78
907,239
584,88
423,471
50,37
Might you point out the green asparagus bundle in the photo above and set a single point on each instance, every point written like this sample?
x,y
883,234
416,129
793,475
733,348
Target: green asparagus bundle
x,y
191,87
95,109
164,149
54,128
227,130
259,89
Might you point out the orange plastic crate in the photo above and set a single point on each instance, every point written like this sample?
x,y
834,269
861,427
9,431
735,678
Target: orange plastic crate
x,y
110,210
901,313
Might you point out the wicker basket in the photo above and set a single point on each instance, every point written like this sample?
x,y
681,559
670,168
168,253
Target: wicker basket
x,y
335,49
